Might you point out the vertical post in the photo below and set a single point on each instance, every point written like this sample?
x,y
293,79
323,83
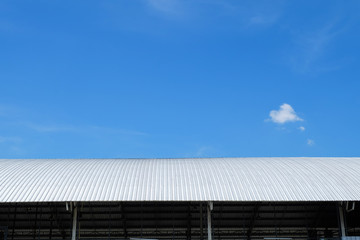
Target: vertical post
x,y
36,216
123,218
51,226
209,209
74,222
5,233
188,230
341,220
14,222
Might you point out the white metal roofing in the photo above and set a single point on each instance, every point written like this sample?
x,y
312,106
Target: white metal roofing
x,y
210,179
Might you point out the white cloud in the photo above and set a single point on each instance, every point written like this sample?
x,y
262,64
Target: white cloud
x,y
310,142
302,128
285,114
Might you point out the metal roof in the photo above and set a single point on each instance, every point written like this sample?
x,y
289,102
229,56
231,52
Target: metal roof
x,y
207,179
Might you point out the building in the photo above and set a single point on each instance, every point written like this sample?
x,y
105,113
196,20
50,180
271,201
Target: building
x,y
213,198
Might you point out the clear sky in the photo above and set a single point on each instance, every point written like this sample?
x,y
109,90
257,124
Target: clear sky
x,y
178,78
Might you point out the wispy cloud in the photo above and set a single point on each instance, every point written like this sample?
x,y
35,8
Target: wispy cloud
x,y
285,114
8,111
112,130
10,139
24,131
302,128
53,128
311,47
250,13
6,26
168,7
310,142
14,116
48,127
263,19
246,14
202,151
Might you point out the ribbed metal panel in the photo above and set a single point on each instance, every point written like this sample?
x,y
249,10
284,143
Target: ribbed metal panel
x,y
213,179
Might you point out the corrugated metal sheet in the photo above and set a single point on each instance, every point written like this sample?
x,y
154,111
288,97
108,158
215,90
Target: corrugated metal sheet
x,y
215,179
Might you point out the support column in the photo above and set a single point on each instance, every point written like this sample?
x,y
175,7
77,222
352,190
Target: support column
x,y
14,222
123,219
5,230
73,235
188,230
5,234
209,209
341,220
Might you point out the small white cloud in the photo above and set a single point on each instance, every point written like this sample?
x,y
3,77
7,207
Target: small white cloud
x,y
302,128
285,114
310,142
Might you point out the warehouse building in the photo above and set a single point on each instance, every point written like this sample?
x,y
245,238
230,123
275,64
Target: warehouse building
x,y
212,198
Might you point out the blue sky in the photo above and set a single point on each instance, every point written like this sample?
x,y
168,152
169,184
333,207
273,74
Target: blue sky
x,y
177,78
